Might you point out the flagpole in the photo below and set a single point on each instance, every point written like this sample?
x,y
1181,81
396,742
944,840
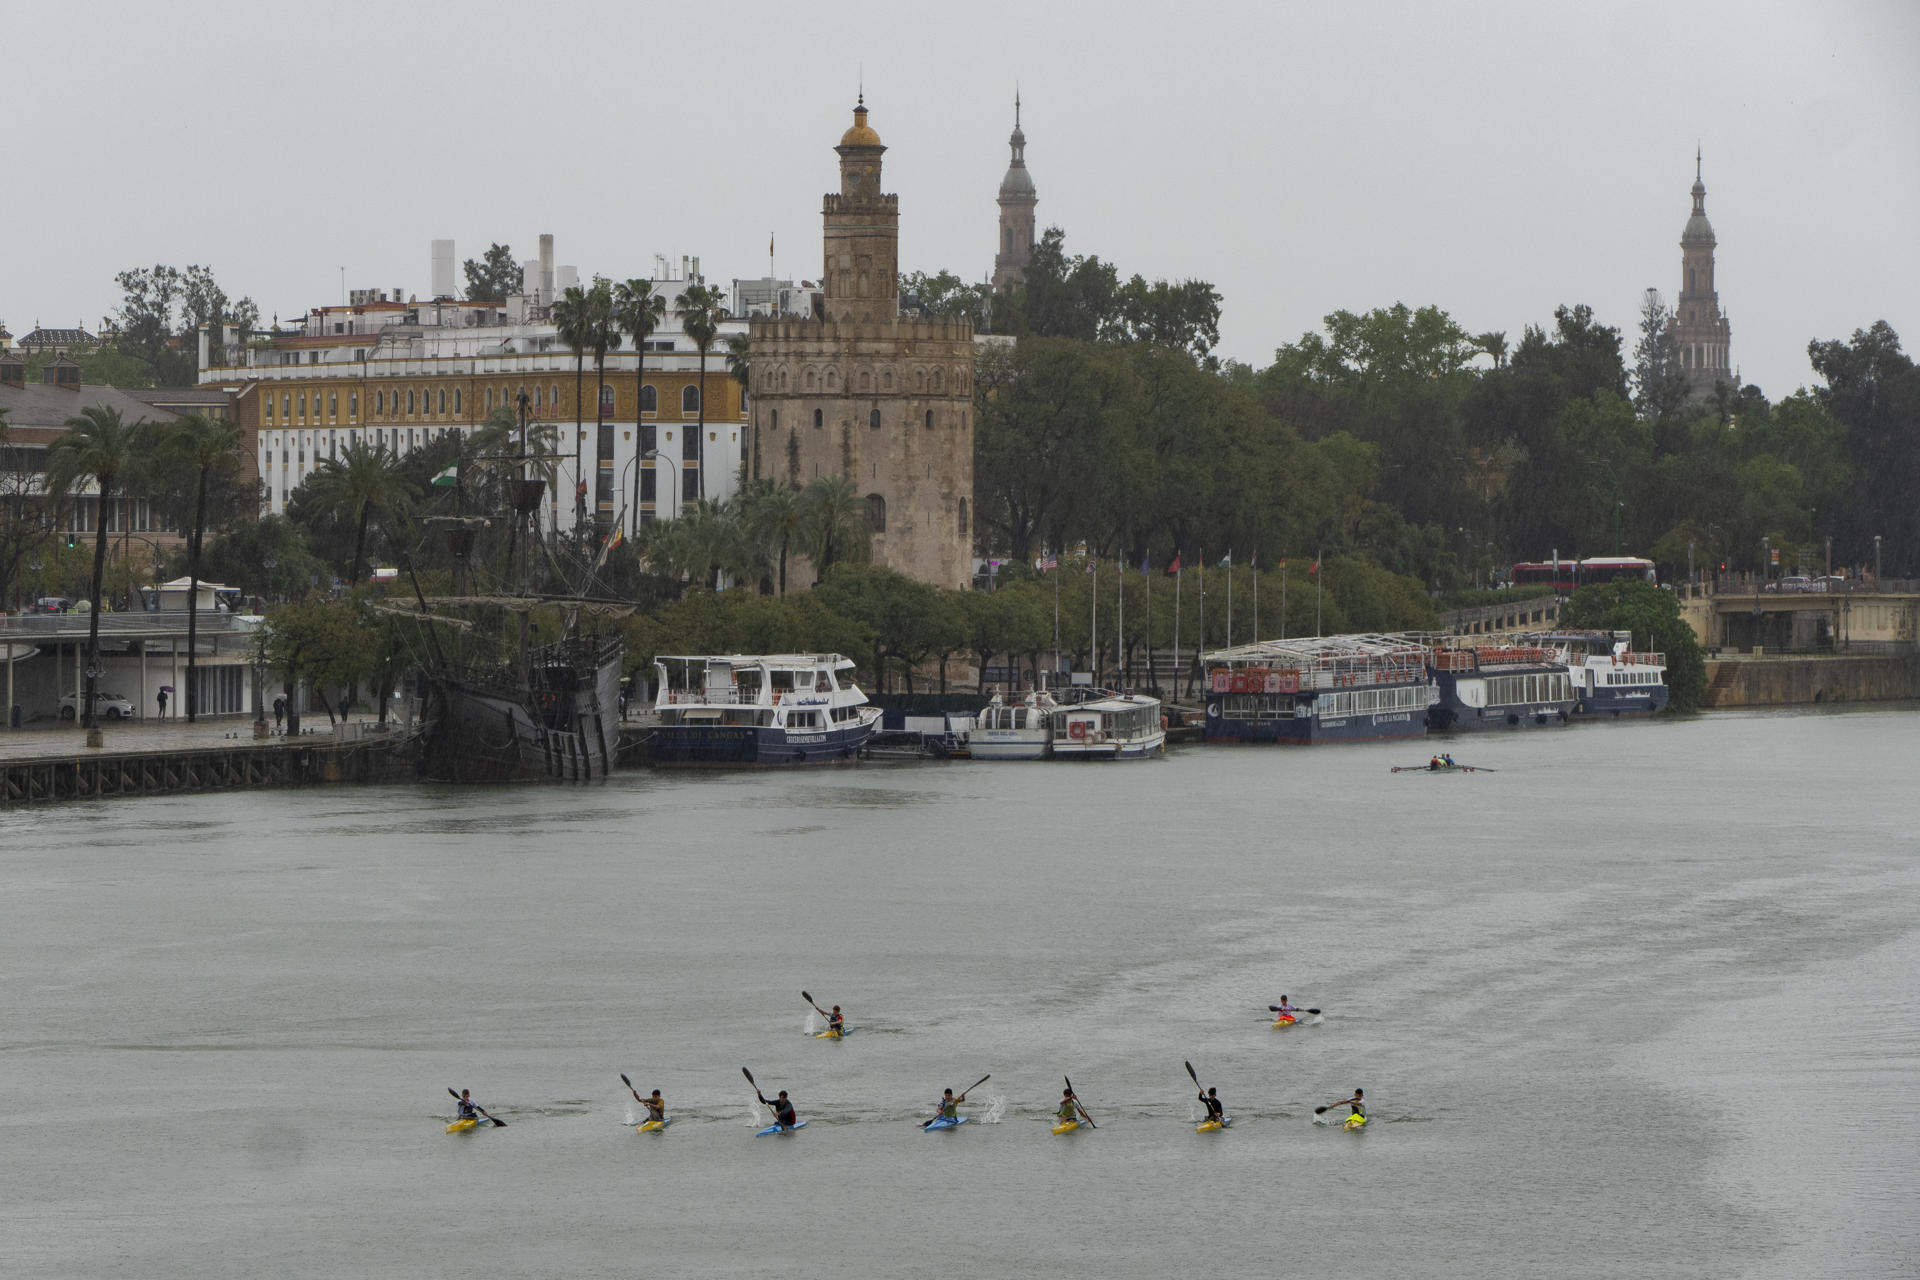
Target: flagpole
x,y
1229,599
1200,652
1255,567
1283,597
1319,576
1177,571
1056,617
1093,636
1146,618
1120,612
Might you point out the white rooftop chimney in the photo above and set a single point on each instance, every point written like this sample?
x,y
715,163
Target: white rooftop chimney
x,y
443,268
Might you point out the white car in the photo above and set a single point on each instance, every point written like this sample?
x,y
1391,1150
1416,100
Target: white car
x,y
106,706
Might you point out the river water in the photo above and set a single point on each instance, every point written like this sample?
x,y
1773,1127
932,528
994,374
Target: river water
x,y
1639,1003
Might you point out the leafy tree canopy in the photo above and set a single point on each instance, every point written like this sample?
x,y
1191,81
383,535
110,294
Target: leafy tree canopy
x,y
492,277
1653,615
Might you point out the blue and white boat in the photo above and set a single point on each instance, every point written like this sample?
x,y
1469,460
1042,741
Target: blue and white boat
x,y
1118,726
1354,688
759,709
1498,686
1021,730
1610,679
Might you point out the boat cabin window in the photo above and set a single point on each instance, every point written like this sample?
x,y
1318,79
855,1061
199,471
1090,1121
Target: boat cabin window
x,y
781,682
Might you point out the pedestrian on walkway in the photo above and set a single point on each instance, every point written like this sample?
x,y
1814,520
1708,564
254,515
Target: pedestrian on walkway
x,y
163,702
279,710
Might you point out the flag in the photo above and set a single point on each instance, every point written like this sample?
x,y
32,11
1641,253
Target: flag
x,y
619,536
1283,562
1314,568
1143,565
1174,568
449,477
1226,561
769,244
1253,561
1093,562
1047,562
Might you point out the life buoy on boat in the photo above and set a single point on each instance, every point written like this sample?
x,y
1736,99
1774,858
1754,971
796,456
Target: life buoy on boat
x,y
1077,729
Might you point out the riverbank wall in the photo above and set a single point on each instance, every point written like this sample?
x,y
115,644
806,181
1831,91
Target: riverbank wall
x,y
1808,679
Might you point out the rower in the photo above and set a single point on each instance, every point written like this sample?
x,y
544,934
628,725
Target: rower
x,y
1216,1110
656,1107
949,1108
837,1021
1434,764
1357,1102
783,1113
468,1107
1285,1010
1069,1106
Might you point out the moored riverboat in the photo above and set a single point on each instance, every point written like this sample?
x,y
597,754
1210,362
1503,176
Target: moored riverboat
x,y
1610,679
1351,688
759,709
1018,730
1120,726
1497,686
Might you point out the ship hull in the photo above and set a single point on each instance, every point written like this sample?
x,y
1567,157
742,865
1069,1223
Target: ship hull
x,y
563,726
724,746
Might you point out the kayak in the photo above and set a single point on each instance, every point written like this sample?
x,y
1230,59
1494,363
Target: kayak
x,y
773,1129
1445,768
1066,1126
653,1126
1355,1122
944,1123
1283,1021
831,1034
1208,1126
461,1126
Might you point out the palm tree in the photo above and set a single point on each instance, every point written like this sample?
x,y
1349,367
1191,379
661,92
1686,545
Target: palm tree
x,y
573,325
638,311
739,367
98,443
776,520
836,526
701,311
603,335
207,444
363,477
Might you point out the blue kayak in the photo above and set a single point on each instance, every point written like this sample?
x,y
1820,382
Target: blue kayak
x,y
773,1129
944,1123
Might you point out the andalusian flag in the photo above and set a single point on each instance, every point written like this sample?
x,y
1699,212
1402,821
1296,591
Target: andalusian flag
x,y
449,478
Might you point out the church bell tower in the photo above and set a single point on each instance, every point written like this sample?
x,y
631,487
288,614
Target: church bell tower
x,y
1017,199
1703,332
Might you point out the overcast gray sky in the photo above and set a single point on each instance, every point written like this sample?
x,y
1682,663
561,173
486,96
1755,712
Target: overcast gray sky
x,y
1493,159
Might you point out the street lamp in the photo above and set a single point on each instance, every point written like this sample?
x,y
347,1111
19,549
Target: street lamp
x,y
653,455
1876,562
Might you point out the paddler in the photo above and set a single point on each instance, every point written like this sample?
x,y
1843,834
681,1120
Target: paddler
x,y
783,1114
1069,1107
1358,1102
1285,1010
837,1021
949,1108
469,1109
1216,1110
1433,764
656,1107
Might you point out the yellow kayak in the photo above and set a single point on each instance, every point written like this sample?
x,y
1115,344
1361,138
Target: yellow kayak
x,y
461,1126
826,1035
1355,1122
1208,1126
1066,1126
653,1126
1284,1020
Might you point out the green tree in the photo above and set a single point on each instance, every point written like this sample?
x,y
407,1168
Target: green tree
x,y
494,277
574,324
100,445
267,557
701,311
1659,377
1183,316
945,296
362,479
776,519
325,643
210,446
1873,391
1653,615
27,520
835,524
1015,620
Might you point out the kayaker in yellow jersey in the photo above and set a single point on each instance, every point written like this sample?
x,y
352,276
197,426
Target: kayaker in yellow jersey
x,y
656,1107
949,1108
1358,1102
837,1022
1069,1107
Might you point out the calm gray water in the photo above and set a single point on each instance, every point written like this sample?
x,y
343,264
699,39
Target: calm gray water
x,y
1640,1003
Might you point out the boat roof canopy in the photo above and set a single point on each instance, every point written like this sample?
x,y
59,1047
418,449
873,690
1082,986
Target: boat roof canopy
x,y
1310,649
833,660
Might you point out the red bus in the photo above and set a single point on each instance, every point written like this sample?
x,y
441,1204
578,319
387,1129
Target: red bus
x,y
1568,576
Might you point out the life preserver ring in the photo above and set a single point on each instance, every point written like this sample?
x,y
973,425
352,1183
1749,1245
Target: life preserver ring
x,y
1163,724
1077,729
1213,709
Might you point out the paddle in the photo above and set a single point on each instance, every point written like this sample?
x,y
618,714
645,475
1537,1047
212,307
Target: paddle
x,y
1276,1009
816,1008
630,1089
481,1110
1076,1103
964,1092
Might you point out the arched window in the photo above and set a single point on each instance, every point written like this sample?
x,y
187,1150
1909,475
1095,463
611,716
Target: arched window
x,y
649,399
690,399
876,513
939,382
536,396
929,419
353,406
553,397
1007,234
833,380
873,419
409,402
303,406
333,404
964,526
773,416
606,400
819,420
443,400
456,400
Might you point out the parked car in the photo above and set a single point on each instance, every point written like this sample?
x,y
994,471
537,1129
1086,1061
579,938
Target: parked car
x,y
108,706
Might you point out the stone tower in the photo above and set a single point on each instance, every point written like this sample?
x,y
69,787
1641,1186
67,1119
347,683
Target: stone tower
x,y
1699,326
858,391
1017,198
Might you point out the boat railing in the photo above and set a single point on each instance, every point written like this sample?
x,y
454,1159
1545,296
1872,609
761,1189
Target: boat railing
x,y
1641,659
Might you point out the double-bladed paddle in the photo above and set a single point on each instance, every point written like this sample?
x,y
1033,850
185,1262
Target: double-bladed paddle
x,y
964,1092
482,1110
1276,1009
630,1089
1076,1103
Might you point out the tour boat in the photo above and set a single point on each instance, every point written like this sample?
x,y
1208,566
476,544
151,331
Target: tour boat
x,y
1021,730
1609,677
762,709
1121,726
1485,686
1322,689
